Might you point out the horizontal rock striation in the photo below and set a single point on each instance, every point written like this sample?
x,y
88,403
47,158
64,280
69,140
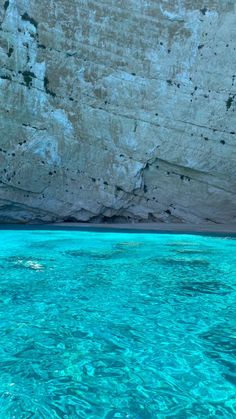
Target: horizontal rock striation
x,y
118,110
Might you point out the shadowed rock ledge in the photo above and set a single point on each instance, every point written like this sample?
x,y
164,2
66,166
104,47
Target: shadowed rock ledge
x,y
118,110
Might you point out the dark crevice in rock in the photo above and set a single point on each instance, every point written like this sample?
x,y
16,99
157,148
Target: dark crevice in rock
x,y
70,219
229,102
119,189
29,19
28,76
6,4
212,221
5,77
10,51
203,11
47,90
203,126
33,127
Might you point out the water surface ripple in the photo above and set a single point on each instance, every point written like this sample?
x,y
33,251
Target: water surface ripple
x,y
117,325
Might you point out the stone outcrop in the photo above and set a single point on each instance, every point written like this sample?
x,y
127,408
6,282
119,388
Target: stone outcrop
x,y
114,110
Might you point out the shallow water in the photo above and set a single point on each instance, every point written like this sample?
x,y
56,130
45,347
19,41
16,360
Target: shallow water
x,y
117,325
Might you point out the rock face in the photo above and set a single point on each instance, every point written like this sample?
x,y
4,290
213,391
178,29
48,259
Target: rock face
x,y
119,109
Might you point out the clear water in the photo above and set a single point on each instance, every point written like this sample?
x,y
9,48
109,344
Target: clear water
x,y
117,325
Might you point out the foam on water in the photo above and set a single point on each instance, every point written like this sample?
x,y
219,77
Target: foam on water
x,y
117,325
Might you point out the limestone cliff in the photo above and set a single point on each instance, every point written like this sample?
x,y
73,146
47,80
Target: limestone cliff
x,y
114,109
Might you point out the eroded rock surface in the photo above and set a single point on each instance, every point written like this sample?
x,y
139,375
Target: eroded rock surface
x,y
119,109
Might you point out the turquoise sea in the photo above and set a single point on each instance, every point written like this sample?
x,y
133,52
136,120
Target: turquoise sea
x,y
117,325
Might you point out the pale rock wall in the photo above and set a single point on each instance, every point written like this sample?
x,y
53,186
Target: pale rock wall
x,y
118,109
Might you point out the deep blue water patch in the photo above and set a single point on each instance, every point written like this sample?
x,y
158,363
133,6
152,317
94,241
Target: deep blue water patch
x,y
117,325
